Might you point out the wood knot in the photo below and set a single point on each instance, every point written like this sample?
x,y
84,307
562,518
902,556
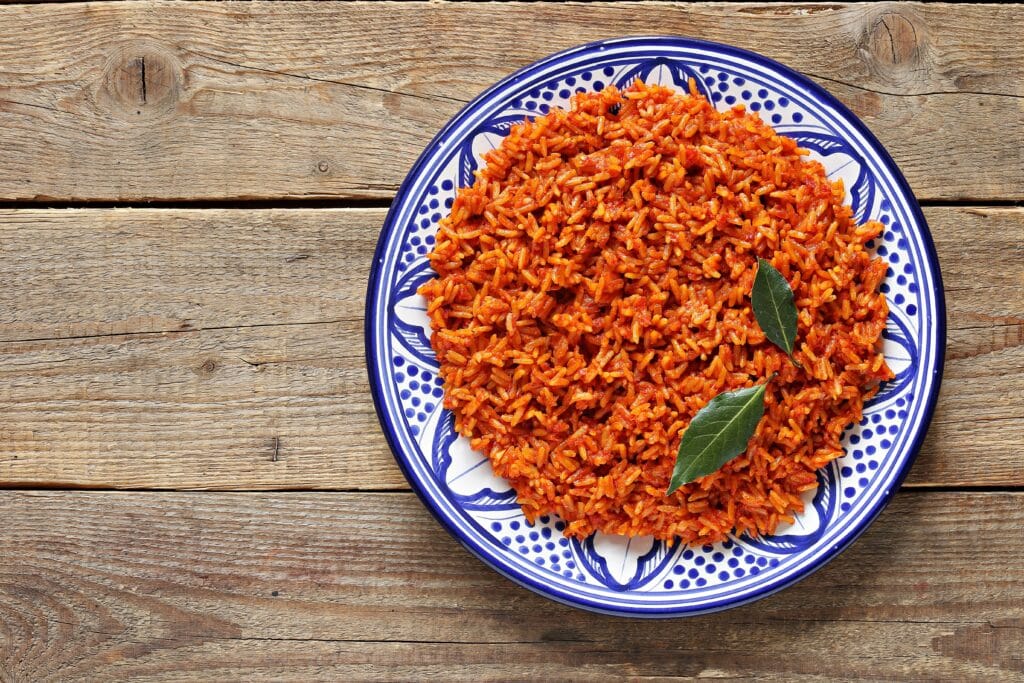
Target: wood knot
x,y
141,80
207,367
893,45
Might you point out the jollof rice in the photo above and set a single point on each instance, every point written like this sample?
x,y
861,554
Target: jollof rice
x,y
593,293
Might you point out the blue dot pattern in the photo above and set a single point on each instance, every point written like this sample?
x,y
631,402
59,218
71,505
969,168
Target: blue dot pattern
x,y
866,444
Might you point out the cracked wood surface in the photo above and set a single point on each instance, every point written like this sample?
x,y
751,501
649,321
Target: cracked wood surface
x,y
223,349
141,101
355,586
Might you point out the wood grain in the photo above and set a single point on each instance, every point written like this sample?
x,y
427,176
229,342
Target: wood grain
x,y
142,101
223,349
255,408
982,396
174,586
83,273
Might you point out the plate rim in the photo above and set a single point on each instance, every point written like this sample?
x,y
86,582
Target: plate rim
x,y
929,252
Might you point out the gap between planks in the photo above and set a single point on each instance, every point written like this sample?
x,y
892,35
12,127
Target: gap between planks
x,y
285,203
44,487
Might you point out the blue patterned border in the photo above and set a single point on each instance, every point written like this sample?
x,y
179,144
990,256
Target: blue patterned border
x,y
580,575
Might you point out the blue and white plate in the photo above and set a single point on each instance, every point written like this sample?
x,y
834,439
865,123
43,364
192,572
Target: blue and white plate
x,y
644,577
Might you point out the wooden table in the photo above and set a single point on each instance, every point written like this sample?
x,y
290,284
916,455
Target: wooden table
x,y
195,485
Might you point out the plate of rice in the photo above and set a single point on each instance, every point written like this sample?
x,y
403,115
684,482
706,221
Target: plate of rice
x,y
564,282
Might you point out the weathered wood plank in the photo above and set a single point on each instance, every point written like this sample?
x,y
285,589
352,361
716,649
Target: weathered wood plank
x,y
76,273
224,350
176,586
254,408
982,396
137,101
99,272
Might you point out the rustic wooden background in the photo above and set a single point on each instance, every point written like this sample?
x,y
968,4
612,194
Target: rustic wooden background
x,y
194,483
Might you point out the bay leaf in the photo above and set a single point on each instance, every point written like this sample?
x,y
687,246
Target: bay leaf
x,y
774,309
718,433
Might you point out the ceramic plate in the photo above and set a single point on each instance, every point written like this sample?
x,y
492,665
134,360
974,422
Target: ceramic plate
x,y
644,577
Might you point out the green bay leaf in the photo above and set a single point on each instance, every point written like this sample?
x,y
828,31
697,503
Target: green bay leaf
x,y
773,304
718,433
